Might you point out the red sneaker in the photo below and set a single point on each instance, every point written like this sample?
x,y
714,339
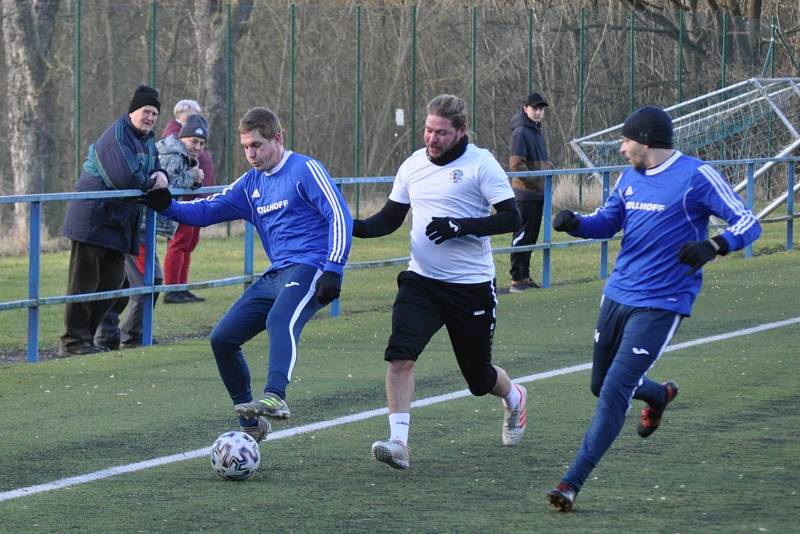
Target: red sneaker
x,y
651,418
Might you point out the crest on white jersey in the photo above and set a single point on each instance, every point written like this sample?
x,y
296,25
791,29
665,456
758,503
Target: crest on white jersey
x,y
456,176
255,194
628,192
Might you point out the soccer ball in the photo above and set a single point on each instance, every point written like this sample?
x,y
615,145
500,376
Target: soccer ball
x,y
235,456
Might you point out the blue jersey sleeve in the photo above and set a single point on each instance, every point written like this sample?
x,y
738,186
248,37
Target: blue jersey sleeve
x,y
230,205
713,192
322,193
606,220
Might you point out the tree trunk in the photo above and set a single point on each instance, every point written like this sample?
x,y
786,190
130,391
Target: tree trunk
x,y
28,28
211,36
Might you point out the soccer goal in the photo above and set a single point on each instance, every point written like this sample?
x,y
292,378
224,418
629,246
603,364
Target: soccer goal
x,y
755,118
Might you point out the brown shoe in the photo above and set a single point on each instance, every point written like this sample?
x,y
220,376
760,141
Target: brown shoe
x,y
650,419
562,497
518,286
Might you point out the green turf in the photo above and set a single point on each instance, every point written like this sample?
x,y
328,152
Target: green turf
x,y
725,460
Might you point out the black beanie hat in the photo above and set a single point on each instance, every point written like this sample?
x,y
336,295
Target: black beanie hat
x,y
196,126
144,96
649,126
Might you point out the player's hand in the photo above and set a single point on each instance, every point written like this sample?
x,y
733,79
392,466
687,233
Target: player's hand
x,y
329,286
566,221
162,180
158,199
440,229
695,254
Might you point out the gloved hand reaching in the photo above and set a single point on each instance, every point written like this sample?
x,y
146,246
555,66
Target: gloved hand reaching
x,y
329,286
566,221
440,229
695,254
158,199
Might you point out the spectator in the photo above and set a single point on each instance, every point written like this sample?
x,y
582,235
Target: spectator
x,y
102,231
449,186
183,243
305,229
177,155
528,153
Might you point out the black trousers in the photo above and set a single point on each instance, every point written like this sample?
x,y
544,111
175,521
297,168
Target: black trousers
x,y
531,210
91,269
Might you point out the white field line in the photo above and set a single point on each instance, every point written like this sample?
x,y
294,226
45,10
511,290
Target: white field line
x,y
290,432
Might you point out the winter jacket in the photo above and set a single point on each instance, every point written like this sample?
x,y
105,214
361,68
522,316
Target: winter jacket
x,y
121,158
528,153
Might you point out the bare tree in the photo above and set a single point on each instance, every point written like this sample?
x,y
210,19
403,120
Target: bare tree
x,y
28,28
211,34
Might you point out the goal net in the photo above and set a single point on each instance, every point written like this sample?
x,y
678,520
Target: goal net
x,y
756,118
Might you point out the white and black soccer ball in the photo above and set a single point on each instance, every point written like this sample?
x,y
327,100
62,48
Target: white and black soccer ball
x,y
235,456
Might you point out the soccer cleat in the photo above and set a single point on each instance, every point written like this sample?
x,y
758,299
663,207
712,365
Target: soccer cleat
x,y
260,431
393,453
651,418
515,421
562,497
518,286
269,405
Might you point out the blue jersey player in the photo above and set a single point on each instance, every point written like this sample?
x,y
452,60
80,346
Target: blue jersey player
x,y
662,203
305,228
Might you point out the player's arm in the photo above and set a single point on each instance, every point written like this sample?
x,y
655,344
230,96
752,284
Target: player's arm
x,y
714,194
505,219
603,222
386,221
230,205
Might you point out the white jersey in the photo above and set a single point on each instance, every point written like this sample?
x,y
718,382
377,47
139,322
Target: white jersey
x,y
464,188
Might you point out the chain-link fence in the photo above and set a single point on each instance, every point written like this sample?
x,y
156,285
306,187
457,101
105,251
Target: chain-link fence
x,y
351,82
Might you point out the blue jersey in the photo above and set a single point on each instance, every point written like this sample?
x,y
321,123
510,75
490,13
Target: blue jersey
x,y
298,212
659,210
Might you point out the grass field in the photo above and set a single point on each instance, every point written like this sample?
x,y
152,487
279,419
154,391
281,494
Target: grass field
x,y
727,458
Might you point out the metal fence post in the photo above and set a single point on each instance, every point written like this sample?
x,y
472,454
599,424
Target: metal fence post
x,y
413,122
149,272
548,229
77,132
357,154
604,244
581,46
153,33
530,50
34,253
751,189
292,70
632,67
724,67
790,169
474,25
681,37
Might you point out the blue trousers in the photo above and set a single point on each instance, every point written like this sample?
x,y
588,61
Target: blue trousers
x,y
281,302
628,341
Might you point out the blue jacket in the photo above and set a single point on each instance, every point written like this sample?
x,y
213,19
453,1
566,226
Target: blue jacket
x,y
299,214
121,158
659,210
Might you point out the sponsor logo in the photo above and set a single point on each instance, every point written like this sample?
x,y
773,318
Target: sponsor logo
x,y
456,176
478,312
639,351
644,206
272,207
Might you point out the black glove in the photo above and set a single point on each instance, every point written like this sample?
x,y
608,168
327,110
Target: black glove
x,y
566,221
329,286
695,254
440,229
158,199
358,228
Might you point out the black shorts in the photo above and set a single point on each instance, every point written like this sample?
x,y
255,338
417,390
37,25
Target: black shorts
x,y
423,305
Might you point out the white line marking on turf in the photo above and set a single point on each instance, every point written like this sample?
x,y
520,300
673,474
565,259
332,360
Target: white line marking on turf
x,y
197,453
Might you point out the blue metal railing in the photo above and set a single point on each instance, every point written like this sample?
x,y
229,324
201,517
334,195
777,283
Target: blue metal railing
x,y
34,301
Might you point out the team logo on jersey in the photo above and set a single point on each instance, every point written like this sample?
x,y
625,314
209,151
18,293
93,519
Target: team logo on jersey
x,y
456,176
263,210
255,194
628,192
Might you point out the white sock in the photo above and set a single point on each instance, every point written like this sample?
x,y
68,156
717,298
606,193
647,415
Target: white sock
x,y
398,426
513,398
